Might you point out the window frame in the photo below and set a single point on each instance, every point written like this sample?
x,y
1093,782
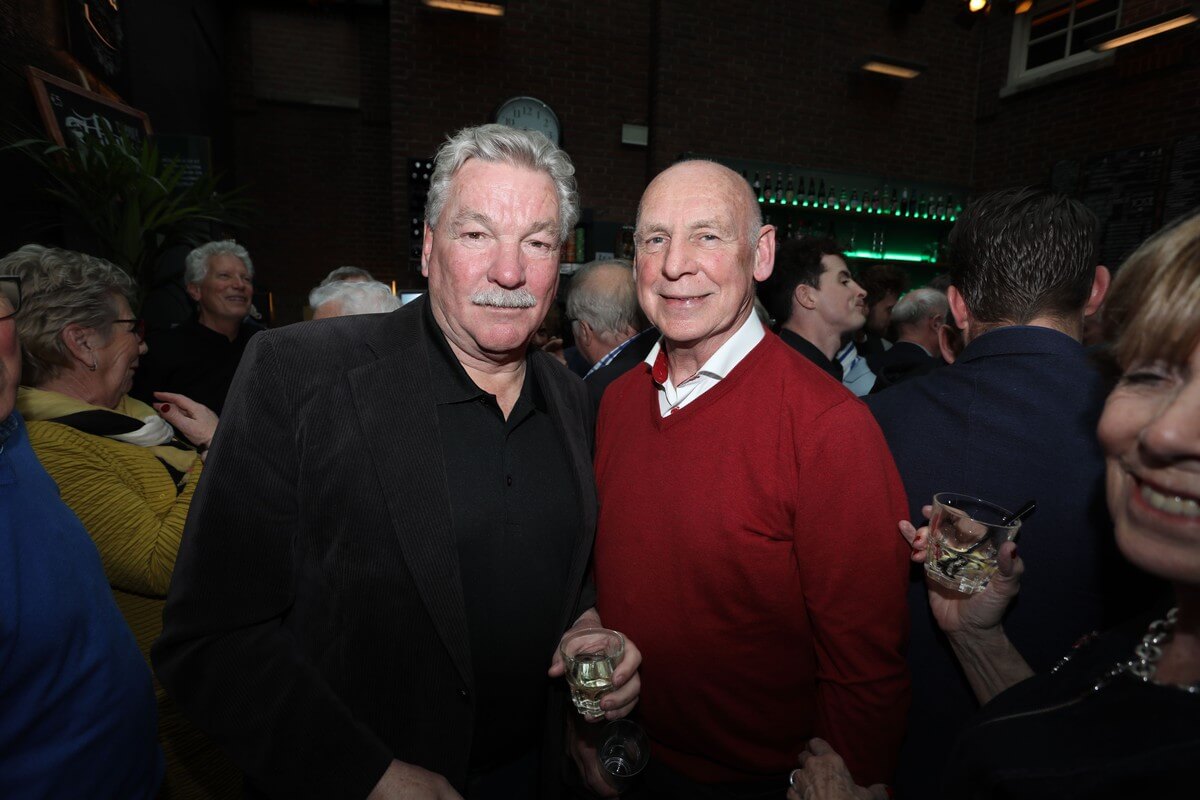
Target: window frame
x,y
1020,79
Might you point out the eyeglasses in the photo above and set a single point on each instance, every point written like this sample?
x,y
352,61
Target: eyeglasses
x,y
10,296
137,326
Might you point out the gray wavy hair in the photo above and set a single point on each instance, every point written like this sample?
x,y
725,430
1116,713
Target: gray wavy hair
x,y
500,144
197,260
611,309
920,304
356,297
347,274
58,288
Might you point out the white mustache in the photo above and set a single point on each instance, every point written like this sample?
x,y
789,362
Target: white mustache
x,y
504,298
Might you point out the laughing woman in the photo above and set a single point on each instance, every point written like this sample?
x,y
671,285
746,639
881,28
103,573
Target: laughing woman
x,y
1120,715
118,465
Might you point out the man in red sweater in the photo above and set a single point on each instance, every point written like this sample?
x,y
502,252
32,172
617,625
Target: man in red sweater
x,y
747,534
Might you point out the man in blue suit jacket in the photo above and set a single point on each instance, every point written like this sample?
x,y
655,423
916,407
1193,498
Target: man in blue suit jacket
x,y
1012,419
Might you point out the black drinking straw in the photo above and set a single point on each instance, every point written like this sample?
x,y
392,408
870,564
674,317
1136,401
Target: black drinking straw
x,y
1021,514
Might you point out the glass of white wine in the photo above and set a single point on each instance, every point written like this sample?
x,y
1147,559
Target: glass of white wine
x,y
591,655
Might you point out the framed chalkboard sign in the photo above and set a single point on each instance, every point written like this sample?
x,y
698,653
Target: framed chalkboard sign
x,y
70,112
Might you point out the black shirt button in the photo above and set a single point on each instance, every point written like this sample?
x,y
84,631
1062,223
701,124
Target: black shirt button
x,y
508,479
464,694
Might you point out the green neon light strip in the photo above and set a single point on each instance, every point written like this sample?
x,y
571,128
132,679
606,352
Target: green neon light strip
x,y
836,206
891,256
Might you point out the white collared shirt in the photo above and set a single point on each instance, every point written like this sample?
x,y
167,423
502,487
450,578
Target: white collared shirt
x,y
722,362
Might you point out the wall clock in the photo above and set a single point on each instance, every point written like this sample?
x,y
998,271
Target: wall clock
x,y
531,114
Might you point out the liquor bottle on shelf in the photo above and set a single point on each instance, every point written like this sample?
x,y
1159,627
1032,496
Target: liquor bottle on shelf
x,y
768,191
923,206
758,188
894,202
812,192
904,207
855,203
790,194
779,188
939,209
954,209
843,200
822,196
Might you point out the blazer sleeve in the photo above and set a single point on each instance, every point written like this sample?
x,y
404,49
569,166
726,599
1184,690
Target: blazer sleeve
x,y
225,655
854,569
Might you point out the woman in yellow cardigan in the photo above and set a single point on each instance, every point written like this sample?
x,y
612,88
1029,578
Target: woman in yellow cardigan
x,y
119,466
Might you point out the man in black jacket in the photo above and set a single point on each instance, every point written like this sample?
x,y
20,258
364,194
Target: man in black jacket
x,y
393,528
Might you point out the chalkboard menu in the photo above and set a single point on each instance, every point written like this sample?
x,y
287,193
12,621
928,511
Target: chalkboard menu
x,y
68,109
1122,187
1183,179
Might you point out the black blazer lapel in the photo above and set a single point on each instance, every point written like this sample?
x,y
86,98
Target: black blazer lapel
x,y
574,423
392,400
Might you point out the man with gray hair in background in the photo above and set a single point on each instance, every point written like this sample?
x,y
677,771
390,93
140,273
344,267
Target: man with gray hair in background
x,y
348,296
347,273
607,322
199,357
917,318
393,529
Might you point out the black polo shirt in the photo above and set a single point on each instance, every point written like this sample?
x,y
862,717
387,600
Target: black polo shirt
x,y
193,360
516,513
810,351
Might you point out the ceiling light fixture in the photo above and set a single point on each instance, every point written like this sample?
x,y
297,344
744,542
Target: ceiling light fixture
x,y
891,67
488,8
1143,30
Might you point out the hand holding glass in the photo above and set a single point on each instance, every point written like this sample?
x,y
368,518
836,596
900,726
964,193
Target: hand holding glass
x,y
965,534
590,656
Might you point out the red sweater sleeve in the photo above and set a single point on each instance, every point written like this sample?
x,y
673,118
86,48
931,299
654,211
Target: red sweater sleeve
x,y
854,574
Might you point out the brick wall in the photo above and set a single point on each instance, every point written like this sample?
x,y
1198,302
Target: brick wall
x,y
775,81
1150,94
328,102
313,144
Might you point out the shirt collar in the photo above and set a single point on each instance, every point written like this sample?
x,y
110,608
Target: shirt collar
x,y
449,381
608,357
810,351
1021,339
728,355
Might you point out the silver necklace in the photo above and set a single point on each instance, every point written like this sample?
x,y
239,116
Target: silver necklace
x,y
1144,663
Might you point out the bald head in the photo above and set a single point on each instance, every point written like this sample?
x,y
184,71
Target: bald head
x,y
701,245
739,191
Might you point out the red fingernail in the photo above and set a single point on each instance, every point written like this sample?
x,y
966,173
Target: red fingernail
x,y
1014,554
166,406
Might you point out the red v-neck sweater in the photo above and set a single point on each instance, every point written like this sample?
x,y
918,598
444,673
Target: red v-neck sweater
x,y
747,544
